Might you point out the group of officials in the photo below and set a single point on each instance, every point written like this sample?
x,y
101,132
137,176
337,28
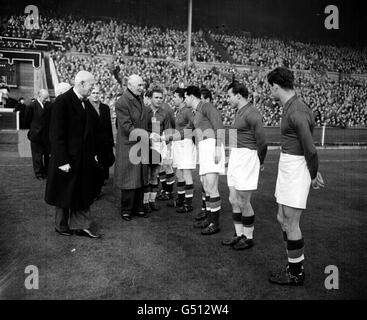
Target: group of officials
x,y
72,145
150,142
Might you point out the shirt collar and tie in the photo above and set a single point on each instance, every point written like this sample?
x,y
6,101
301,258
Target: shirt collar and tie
x,y
41,104
80,97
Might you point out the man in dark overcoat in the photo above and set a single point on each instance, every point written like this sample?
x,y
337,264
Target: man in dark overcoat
x,y
106,143
37,118
131,165
73,138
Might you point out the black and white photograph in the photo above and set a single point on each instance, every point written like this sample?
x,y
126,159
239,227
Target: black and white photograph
x,y
191,153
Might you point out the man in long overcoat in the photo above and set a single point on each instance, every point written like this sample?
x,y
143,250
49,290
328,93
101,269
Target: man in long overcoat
x,y
73,137
106,141
131,176
37,118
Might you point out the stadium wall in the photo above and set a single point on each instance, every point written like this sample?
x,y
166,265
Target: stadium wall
x,y
14,143
333,136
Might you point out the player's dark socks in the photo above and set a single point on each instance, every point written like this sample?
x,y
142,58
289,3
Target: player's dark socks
x,y
237,221
153,193
215,208
162,179
147,188
180,193
154,187
285,239
203,198
189,194
295,249
207,203
248,226
170,180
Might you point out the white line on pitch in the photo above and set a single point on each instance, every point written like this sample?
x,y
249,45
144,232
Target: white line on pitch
x,y
328,160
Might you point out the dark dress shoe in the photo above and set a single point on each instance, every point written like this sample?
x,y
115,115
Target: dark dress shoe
x,y
87,233
40,177
126,216
65,233
142,214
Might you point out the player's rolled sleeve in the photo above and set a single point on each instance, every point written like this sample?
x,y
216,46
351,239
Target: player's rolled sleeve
x,y
302,126
188,129
259,132
216,121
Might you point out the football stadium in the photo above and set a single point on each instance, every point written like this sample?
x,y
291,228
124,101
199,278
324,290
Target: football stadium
x,y
82,221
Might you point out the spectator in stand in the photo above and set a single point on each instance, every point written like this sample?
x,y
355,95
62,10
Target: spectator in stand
x,y
4,95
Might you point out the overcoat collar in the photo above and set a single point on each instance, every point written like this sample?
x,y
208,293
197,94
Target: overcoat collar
x,y
136,102
77,103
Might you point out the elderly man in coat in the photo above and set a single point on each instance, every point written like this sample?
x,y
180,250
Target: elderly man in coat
x,y
132,148
37,118
73,137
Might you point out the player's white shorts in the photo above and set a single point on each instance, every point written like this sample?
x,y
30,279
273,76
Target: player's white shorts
x,y
161,148
243,169
293,182
206,158
184,154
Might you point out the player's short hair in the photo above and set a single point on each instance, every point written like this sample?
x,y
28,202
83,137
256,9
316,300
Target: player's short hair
x,y
283,77
180,92
206,94
157,89
238,88
150,92
193,90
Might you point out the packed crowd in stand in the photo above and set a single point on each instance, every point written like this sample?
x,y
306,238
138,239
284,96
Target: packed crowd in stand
x,y
269,53
334,102
109,36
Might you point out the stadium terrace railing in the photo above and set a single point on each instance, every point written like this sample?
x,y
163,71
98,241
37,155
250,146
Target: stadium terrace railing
x,y
35,43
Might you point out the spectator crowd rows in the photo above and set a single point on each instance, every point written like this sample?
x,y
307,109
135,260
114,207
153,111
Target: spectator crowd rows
x,y
270,53
109,36
341,102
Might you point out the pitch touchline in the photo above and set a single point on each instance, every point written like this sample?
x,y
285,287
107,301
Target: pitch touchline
x,y
331,160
